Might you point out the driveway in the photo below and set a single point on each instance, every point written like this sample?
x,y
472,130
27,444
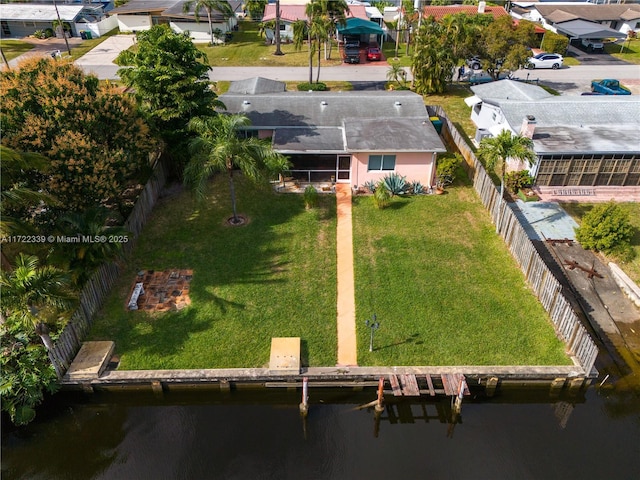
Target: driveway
x,y
99,61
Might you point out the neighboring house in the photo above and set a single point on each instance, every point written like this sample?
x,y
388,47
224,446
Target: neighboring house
x,y
138,15
289,14
572,18
579,140
439,11
23,19
350,137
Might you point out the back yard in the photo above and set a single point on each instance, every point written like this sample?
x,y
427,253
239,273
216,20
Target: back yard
x,y
444,287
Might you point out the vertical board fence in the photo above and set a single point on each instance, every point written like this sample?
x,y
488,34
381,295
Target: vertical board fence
x,y
544,284
99,285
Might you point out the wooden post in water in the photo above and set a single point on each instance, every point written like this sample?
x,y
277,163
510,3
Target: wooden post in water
x,y
304,405
457,407
380,403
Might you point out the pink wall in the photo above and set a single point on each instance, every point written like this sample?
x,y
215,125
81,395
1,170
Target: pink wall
x,y
417,166
265,134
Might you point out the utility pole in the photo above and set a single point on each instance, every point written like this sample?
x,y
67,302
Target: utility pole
x,y
55,5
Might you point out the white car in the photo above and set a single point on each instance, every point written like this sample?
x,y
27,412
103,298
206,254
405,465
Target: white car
x,y
545,60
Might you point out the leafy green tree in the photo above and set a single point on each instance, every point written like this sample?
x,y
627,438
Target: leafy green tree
x,y
397,73
102,242
605,228
503,45
256,8
219,146
34,295
170,78
496,151
433,59
94,138
209,6
27,373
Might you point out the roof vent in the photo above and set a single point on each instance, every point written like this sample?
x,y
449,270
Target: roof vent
x,y
324,103
246,102
531,118
398,104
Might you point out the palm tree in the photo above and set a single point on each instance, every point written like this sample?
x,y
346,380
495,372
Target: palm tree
x,y
220,146
277,30
397,73
100,242
496,151
209,6
301,32
32,293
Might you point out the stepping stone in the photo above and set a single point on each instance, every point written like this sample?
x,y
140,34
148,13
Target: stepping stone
x,y
285,355
91,360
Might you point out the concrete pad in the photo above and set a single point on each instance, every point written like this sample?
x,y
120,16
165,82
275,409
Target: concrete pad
x,y
91,360
285,355
545,220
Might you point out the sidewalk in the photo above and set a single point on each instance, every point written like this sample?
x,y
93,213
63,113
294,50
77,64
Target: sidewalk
x,y
347,341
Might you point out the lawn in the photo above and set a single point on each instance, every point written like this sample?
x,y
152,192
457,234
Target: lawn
x,y
629,51
273,277
247,49
631,268
444,288
14,48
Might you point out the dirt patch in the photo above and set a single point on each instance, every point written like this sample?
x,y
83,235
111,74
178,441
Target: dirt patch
x,y
163,291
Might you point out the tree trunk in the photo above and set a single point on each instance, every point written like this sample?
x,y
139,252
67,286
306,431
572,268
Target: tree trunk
x,y
43,332
210,25
319,52
277,32
499,217
232,190
310,59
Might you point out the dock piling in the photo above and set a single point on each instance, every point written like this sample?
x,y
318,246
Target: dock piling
x,y
304,405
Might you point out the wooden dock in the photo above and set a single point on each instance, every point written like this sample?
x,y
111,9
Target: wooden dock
x,y
407,385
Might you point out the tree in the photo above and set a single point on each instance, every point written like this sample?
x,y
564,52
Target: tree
x,y
503,45
277,30
605,228
209,6
301,32
256,8
397,73
433,59
100,244
220,147
33,295
169,76
94,138
496,151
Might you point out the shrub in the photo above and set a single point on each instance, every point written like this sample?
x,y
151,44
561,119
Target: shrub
x,y
370,185
516,181
381,196
396,184
48,33
446,169
417,188
316,87
606,228
39,34
554,43
310,196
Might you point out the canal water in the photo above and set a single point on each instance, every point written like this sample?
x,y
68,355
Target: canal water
x,y
520,433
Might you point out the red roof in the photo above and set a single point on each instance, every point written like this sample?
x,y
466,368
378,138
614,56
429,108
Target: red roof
x,y
438,12
291,13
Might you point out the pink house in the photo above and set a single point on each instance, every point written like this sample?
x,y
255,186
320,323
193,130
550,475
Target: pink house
x,y
350,137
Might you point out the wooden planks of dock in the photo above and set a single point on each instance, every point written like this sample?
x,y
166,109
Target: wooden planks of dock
x,y
407,385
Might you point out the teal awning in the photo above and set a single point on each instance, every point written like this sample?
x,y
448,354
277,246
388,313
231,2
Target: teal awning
x,y
358,26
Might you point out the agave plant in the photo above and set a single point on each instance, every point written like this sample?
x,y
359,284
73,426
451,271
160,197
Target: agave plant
x,y
418,188
370,185
396,184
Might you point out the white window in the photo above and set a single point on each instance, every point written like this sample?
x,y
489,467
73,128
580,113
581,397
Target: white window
x,y
378,163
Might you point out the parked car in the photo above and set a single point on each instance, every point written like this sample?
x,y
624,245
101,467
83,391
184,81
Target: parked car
x,y
374,53
609,86
545,60
351,41
592,44
474,63
351,55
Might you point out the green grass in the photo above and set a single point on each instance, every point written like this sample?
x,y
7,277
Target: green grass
x,y
248,49
631,268
453,104
273,277
445,289
630,53
14,48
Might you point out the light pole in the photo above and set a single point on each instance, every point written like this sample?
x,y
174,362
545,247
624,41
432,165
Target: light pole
x,y
373,325
55,5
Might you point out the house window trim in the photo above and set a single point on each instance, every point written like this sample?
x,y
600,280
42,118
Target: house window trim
x,y
382,162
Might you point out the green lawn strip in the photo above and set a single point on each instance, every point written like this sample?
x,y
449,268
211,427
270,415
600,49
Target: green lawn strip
x,y
274,277
445,289
630,53
14,48
631,268
248,49
87,45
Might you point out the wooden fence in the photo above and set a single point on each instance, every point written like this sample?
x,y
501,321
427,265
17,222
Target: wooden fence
x,y
545,285
99,285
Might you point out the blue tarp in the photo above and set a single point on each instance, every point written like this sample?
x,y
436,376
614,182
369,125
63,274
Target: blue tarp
x,y
358,26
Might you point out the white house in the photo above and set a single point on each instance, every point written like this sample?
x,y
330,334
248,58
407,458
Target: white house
x,y
579,140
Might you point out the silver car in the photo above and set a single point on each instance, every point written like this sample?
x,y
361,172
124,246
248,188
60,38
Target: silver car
x,y
545,60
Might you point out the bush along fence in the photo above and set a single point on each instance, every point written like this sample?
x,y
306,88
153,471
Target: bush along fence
x,y
540,278
99,285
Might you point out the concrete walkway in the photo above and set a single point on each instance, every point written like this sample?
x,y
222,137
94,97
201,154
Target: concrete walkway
x,y
347,342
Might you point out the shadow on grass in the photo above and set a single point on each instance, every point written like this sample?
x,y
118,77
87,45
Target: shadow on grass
x,y
411,339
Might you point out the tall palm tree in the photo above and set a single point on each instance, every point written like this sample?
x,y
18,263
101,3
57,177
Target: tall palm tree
x,y
301,32
220,146
397,73
496,151
33,293
209,6
277,30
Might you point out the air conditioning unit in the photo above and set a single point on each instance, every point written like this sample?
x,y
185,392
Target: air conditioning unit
x,y
482,133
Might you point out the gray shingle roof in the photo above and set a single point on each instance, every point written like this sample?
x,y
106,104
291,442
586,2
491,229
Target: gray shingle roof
x,y
594,13
257,85
391,135
510,89
317,140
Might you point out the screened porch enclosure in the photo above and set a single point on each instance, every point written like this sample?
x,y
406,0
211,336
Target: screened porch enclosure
x,y
315,168
588,170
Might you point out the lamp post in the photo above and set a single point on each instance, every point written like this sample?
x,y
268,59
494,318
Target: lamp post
x,y
55,5
373,325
